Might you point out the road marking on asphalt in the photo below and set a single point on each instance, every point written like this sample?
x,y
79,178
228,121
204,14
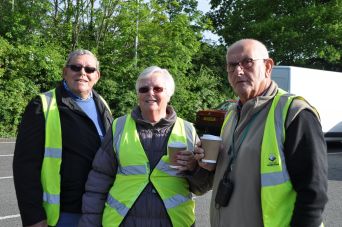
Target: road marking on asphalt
x,y
9,177
10,216
339,153
6,155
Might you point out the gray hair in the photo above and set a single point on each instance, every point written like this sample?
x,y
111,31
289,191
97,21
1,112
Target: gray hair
x,y
148,72
79,52
256,43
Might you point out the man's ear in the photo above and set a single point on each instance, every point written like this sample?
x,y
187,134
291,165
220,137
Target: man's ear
x,y
98,76
269,63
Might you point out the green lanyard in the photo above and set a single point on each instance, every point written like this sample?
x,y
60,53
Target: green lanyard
x,y
233,151
226,185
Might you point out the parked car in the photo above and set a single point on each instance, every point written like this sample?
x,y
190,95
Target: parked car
x,y
210,121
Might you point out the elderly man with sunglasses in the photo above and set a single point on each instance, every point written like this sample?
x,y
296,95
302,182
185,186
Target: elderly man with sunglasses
x,y
132,182
272,168
60,132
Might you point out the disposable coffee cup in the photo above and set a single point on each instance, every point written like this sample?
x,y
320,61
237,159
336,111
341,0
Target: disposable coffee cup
x,y
172,150
211,145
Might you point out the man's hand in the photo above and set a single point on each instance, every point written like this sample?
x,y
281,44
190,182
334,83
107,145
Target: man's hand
x,y
199,155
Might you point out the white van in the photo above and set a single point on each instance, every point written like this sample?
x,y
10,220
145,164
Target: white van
x,y
322,89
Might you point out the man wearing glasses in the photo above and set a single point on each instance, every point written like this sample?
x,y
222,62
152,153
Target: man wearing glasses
x,y
272,168
58,137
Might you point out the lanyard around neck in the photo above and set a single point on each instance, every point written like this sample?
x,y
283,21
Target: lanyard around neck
x,y
235,147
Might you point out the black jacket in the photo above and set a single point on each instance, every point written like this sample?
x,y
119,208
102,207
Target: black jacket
x,y
80,141
306,161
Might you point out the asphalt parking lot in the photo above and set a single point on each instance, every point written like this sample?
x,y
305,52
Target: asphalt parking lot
x,y
9,213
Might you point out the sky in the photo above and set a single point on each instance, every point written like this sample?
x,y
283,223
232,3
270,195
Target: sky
x,y
204,6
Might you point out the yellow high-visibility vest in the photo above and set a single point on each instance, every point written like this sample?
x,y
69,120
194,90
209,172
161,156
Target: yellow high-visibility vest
x,y
277,194
50,176
134,174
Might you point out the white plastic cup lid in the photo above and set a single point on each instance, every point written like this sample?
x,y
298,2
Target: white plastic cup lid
x,y
177,144
211,137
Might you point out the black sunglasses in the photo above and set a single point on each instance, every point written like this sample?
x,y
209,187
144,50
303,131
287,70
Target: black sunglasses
x,y
155,89
77,68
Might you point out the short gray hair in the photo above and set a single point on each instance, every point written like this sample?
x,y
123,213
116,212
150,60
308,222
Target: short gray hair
x,y
256,43
79,52
148,72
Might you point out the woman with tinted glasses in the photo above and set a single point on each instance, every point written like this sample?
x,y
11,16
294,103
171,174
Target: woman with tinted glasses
x,y
60,132
132,182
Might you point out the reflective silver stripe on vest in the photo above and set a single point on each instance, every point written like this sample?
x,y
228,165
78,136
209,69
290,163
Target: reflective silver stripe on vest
x,y
117,135
231,120
119,207
48,96
176,201
51,198
165,167
278,118
132,170
280,132
53,152
189,135
126,170
270,179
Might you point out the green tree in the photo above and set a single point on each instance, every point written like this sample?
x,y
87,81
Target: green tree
x,y
127,36
297,33
23,21
167,43
25,71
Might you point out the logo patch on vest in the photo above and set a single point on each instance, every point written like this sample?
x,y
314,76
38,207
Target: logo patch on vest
x,y
272,160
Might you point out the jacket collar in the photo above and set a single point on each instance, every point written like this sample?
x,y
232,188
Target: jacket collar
x,y
259,102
